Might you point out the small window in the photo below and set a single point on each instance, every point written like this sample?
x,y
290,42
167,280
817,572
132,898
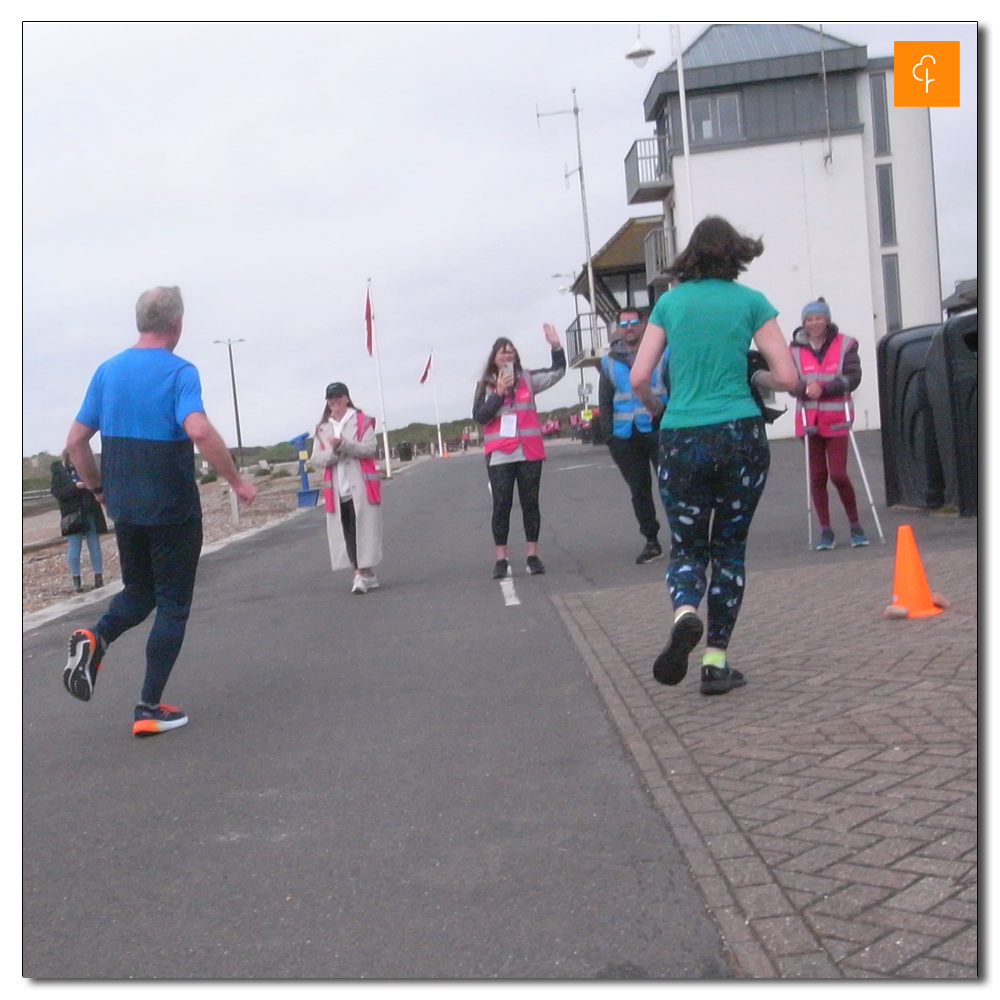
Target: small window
x,y
890,285
886,208
880,114
715,119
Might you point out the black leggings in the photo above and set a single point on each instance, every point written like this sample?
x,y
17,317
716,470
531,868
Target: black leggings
x,y
711,479
349,522
528,476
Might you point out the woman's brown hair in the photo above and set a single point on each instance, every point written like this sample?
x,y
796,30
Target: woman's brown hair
x,y
715,250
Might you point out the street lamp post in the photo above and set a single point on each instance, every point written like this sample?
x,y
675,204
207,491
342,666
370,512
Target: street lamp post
x,y
638,55
236,405
575,111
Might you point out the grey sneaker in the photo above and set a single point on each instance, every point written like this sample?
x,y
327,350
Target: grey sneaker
x,y
720,680
826,540
858,536
671,666
535,566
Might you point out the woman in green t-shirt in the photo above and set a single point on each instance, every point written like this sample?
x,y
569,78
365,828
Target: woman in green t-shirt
x,y
714,454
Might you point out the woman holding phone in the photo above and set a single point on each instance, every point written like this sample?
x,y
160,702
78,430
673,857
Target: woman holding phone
x,y
504,404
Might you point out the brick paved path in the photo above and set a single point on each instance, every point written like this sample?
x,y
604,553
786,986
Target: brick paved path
x,y
828,809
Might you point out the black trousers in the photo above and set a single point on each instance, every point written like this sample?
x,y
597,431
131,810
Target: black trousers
x,y
637,458
158,566
528,476
349,522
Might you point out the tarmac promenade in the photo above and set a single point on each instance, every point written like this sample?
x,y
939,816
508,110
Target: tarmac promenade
x,y
828,809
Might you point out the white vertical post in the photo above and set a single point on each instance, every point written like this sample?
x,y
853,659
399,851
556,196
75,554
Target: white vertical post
x,y
675,37
381,397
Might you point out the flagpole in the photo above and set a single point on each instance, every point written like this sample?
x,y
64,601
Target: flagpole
x,y
381,397
437,412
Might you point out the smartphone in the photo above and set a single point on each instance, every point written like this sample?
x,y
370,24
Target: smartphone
x,y
507,368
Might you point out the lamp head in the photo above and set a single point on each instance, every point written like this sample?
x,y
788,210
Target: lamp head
x,y
639,53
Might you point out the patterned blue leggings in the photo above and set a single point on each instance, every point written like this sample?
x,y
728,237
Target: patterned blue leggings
x,y
711,479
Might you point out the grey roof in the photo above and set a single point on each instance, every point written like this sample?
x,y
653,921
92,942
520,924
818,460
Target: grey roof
x,y
720,44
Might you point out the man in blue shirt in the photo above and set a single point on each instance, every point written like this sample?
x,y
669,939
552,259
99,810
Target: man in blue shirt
x,y
146,402
631,434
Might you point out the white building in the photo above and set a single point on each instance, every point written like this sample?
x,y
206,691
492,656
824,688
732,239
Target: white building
x,y
794,139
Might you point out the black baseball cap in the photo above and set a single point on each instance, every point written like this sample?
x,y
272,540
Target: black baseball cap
x,y
337,389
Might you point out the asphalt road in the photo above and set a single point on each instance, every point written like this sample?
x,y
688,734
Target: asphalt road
x,y
418,783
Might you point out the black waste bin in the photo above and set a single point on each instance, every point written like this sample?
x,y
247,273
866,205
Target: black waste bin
x,y
953,389
911,462
405,450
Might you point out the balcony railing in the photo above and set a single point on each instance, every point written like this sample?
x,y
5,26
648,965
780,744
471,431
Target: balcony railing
x,y
586,340
648,170
660,248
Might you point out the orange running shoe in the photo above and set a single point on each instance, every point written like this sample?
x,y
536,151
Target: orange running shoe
x,y
80,672
150,720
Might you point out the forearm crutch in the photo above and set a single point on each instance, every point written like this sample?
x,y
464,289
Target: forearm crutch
x,y
809,501
864,479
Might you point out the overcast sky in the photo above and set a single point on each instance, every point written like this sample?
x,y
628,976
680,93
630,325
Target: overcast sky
x,y
270,169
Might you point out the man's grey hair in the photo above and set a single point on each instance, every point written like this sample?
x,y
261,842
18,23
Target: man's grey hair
x,y
159,309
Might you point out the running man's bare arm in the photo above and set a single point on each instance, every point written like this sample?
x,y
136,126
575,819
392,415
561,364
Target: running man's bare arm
x,y
213,449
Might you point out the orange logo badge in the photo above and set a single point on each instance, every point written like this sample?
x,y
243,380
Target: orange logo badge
x,y
925,74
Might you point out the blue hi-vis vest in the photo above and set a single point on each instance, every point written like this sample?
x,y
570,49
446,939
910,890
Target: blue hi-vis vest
x,y
628,408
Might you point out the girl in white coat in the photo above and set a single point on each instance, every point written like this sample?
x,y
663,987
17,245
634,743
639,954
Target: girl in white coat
x,y
344,447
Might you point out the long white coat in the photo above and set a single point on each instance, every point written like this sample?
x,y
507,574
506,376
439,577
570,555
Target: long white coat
x,y
368,515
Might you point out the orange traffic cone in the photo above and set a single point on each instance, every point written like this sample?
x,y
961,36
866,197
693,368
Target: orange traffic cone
x,y
909,586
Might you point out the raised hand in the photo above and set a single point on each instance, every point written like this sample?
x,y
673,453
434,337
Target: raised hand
x,y
551,334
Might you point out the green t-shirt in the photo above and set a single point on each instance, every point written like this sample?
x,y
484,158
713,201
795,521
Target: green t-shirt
x,y
709,324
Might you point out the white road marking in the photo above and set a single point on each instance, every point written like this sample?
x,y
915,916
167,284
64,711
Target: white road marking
x,y
509,593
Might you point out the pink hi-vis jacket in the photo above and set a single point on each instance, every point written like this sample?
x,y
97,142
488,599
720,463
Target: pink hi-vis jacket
x,y
529,431
373,484
828,416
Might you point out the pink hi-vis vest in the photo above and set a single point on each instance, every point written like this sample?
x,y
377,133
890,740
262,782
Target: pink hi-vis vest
x,y
828,416
373,484
528,430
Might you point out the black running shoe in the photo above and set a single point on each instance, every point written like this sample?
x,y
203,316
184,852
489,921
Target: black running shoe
x,y
80,673
158,719
671,666
535,566
649,553
501,569
720,680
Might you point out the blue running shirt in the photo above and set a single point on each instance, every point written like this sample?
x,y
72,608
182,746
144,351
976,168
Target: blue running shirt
x,y
139,400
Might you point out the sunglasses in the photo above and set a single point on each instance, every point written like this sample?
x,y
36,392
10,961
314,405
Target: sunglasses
x,y
629,322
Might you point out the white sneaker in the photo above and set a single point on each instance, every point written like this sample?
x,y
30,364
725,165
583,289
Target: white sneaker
x,y
360,587
370,582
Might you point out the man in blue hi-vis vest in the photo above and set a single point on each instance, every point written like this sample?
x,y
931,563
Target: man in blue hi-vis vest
x,y
631,434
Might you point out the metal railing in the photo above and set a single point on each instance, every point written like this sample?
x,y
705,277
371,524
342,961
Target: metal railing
x,y
660,247
648,170
586,337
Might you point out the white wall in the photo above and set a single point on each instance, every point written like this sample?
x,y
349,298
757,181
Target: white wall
x,y
812,218
916,218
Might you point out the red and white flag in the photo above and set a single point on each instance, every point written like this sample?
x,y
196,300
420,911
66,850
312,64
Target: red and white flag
x,y
369,319
427,368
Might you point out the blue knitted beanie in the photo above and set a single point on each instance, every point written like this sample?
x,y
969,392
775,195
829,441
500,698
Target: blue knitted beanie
x,y
819,307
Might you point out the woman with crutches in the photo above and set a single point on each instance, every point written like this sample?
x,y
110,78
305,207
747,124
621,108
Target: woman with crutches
x,y
829,371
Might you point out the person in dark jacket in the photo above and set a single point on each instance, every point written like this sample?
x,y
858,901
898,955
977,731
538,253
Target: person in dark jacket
x,y
829,371
81,517
632,436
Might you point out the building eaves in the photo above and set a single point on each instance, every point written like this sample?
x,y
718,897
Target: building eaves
x,y
727,55
623,252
